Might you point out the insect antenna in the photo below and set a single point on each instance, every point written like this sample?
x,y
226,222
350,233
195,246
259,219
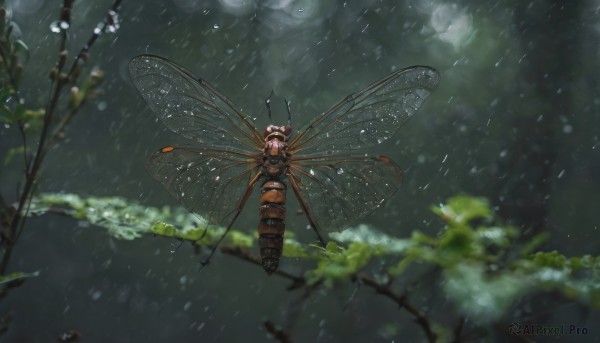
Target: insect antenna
x,y
268,103
287,105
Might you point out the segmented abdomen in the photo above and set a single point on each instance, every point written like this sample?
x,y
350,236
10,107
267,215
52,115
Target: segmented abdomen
x,y
271,227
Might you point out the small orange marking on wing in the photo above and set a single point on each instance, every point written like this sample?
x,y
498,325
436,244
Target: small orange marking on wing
x,y
167,149
385,159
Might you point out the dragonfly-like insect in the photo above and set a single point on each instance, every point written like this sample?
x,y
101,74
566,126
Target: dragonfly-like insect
x,y
335,182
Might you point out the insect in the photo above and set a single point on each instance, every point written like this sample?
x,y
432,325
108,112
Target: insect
x,y
324,163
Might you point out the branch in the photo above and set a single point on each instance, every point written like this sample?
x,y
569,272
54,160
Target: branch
x,y
402,301
279,334
110,20
297,281
458,330
5,322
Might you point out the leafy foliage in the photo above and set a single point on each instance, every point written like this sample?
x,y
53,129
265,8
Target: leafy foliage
x,y
129,220
483,269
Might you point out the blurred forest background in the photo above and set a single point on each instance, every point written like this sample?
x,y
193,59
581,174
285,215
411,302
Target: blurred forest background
x,y
514,119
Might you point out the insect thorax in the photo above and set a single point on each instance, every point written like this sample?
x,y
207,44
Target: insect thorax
x,y
274,160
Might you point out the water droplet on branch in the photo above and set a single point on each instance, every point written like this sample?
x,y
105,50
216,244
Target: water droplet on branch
x,y
58,26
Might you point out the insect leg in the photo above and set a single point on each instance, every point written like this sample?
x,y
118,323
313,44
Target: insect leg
x,y
237,211
305,208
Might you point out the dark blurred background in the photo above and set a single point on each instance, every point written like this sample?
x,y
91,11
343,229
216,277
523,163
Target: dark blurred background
x,y
515,119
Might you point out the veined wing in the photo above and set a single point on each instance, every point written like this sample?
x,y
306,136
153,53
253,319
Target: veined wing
x,y
341,189
192,107
368,117
208,182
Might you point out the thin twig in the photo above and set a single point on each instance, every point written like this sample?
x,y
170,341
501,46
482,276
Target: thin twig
x,y
89,86
108,19
297,281
61,126
402,300
458,330
279,334
5,322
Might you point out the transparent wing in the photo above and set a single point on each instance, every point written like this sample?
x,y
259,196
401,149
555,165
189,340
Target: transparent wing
x,y
191,107
368,117
339,190
209,182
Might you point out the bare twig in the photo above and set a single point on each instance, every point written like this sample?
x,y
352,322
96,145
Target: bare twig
x,y
66,119
279,334
82,55
402,300
297,281
5,322
458,330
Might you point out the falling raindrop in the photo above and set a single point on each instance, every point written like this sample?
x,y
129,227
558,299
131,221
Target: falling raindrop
x,y
95,294
187,306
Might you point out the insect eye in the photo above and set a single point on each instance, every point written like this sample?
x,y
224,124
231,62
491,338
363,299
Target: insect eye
x,y
286,130
269,130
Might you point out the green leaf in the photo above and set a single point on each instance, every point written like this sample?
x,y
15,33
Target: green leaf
x,y
189,233
364,234
338,263
496,236
17,276
292,248
21,47
12,152
460,210
123,219
35,118
240,239
483,297
456,243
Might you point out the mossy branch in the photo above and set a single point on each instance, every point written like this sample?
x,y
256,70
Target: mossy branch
x,y
483,266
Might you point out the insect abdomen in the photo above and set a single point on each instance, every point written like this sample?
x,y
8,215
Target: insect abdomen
x,y
272,223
